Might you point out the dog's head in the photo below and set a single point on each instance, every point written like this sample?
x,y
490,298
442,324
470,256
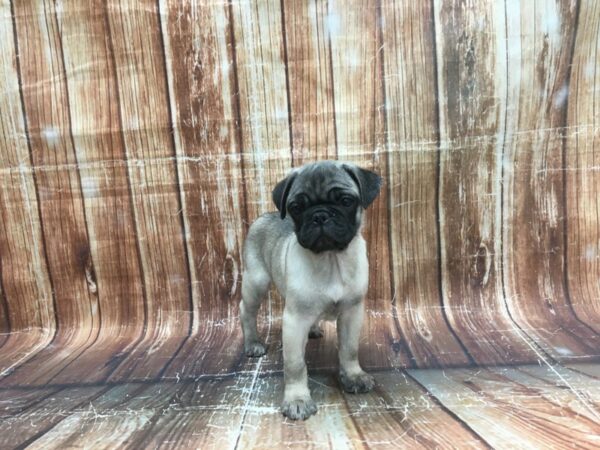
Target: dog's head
x,y
326,201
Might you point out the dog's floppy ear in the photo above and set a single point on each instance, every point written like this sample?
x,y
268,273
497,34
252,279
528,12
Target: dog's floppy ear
x,y
369,183
281,191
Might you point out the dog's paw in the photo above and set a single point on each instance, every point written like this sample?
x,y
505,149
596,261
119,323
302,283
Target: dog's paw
x,y
255,349
357,384
315,332
299,409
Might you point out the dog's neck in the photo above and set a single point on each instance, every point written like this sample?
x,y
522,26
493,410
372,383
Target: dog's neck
x,y
337,257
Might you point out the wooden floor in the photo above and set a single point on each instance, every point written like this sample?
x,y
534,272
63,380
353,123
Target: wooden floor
x,y
68,398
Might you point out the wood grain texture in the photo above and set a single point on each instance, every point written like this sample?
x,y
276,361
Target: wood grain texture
x,y
210,168
261,100
520,415
518,407
198,44
581,174
63,221
27,321
396,415
572,384
41,412
263,426
307,28
409,79
24,273
413,412
144,111
199,415
470,47
140,139
532,164
108,414
589,369
105,188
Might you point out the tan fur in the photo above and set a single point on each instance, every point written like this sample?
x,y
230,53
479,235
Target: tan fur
x,y
330,285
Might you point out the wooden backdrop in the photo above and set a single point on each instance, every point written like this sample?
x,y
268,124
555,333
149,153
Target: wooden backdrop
x,y
138,139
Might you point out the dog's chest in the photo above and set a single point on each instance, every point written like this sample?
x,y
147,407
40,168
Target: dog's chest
x,y
333,278
337,282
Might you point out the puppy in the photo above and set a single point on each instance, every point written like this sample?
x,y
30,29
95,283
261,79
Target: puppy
x,y
314,253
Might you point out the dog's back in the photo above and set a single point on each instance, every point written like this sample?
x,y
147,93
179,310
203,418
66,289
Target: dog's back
x,y
265,233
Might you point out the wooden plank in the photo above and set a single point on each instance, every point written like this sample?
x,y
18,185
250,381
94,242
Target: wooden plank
x,y
204,414
26,291
200,82
471,72
4,320
62,216
263,110
401,414
136,42
357,95
100,159
218,350
332,427
99,146
581,174
109,420
20,347
359,127
209,413
540,39
199,57
520,407
16,401
590,369
409,79
306,28
40,416
508,413
571,389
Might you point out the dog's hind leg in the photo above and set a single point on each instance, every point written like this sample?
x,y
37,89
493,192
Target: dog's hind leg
x,y
255,284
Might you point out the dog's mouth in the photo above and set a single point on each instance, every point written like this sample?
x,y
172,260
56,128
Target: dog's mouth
x,y
320,241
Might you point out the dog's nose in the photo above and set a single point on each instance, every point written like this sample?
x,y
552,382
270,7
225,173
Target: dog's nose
x,y
319,218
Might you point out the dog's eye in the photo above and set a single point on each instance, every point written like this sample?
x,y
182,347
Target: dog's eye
x,y
347,201
295,208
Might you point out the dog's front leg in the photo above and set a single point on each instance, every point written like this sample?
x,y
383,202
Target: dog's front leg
x,y
297,403
349,323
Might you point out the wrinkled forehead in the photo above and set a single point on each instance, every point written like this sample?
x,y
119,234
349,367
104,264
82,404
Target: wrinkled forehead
x,y
317,180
